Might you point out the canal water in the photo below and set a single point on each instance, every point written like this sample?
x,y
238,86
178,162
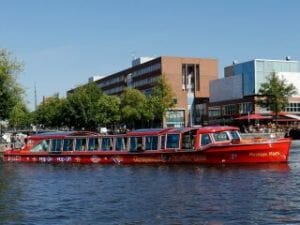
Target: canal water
x,y
135,195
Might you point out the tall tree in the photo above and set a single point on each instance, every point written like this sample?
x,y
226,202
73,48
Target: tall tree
x,y
19,116
108,110
48,114
82,107
161,99
133,107
11,92
275,93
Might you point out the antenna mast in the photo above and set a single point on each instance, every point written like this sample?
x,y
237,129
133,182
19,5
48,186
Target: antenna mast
x,y
35,97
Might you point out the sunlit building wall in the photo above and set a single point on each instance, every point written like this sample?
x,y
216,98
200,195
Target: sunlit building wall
x,y
235,94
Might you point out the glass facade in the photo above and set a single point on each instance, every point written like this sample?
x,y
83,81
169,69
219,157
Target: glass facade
x,y
246,69
255,72
264,68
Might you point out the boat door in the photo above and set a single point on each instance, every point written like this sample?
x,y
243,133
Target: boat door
x,y
188,140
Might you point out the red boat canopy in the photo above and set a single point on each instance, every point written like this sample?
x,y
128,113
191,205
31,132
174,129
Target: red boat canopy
x,y
61,134
141,132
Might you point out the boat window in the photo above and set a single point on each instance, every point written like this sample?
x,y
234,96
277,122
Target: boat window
x,y
80,144
106,144
93,144
221,136
188,140
205,139
234,134
42,146
173,141
162,142
151,143
68,145
136,144
120,144
56,145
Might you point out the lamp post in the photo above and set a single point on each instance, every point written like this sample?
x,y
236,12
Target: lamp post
x,y
0,131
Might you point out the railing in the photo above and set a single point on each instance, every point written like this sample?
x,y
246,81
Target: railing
x,y
262,135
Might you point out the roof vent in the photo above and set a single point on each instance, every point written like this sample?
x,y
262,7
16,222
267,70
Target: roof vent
x,y
288,58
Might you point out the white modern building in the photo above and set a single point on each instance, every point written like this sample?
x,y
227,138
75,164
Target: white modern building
x,y
235,94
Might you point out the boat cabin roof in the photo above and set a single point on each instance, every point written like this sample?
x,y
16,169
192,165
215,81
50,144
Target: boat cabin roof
x,y
214,129
181,130
149,132
162,131
62,134
139,132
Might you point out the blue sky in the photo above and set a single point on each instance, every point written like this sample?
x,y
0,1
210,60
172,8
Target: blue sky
x,y
64,42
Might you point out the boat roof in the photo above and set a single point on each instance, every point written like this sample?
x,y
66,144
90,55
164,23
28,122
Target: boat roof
x,y
161,131
139,132
182,130
153,131
213,129
62,134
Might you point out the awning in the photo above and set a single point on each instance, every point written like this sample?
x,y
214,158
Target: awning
x,y
253,116
287,118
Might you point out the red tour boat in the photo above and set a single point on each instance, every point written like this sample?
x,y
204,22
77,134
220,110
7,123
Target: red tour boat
x,y
204,145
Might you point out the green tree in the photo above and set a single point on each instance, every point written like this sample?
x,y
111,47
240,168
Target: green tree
x,y
19,116
133,107
81,107
48,113
161,99
108,110
11,92
274,94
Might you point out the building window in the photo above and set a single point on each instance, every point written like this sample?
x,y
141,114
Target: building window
x,y
147,81
147,69
245,107
190,77
293,107
229,110
214,111
175,118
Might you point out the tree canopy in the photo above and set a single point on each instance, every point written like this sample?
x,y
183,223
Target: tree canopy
x,y
133,107
19,116
161,99
11,92
88,108
49,112
82,107
274,93
108,110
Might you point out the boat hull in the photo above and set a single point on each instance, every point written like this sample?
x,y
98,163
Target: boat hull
x,y
264,152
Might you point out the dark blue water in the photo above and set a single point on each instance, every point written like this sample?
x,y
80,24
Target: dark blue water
x,y
133,195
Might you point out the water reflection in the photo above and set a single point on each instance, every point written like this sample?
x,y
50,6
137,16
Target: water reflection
x,y
10,194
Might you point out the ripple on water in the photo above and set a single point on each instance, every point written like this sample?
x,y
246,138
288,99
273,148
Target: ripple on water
x,y
100,194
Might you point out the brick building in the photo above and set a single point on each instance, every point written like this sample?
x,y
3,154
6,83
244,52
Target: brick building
x,y
188,78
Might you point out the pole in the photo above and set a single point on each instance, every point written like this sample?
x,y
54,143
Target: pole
x,y
35,97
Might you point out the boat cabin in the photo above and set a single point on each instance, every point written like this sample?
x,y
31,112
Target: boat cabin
x,y
186,139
